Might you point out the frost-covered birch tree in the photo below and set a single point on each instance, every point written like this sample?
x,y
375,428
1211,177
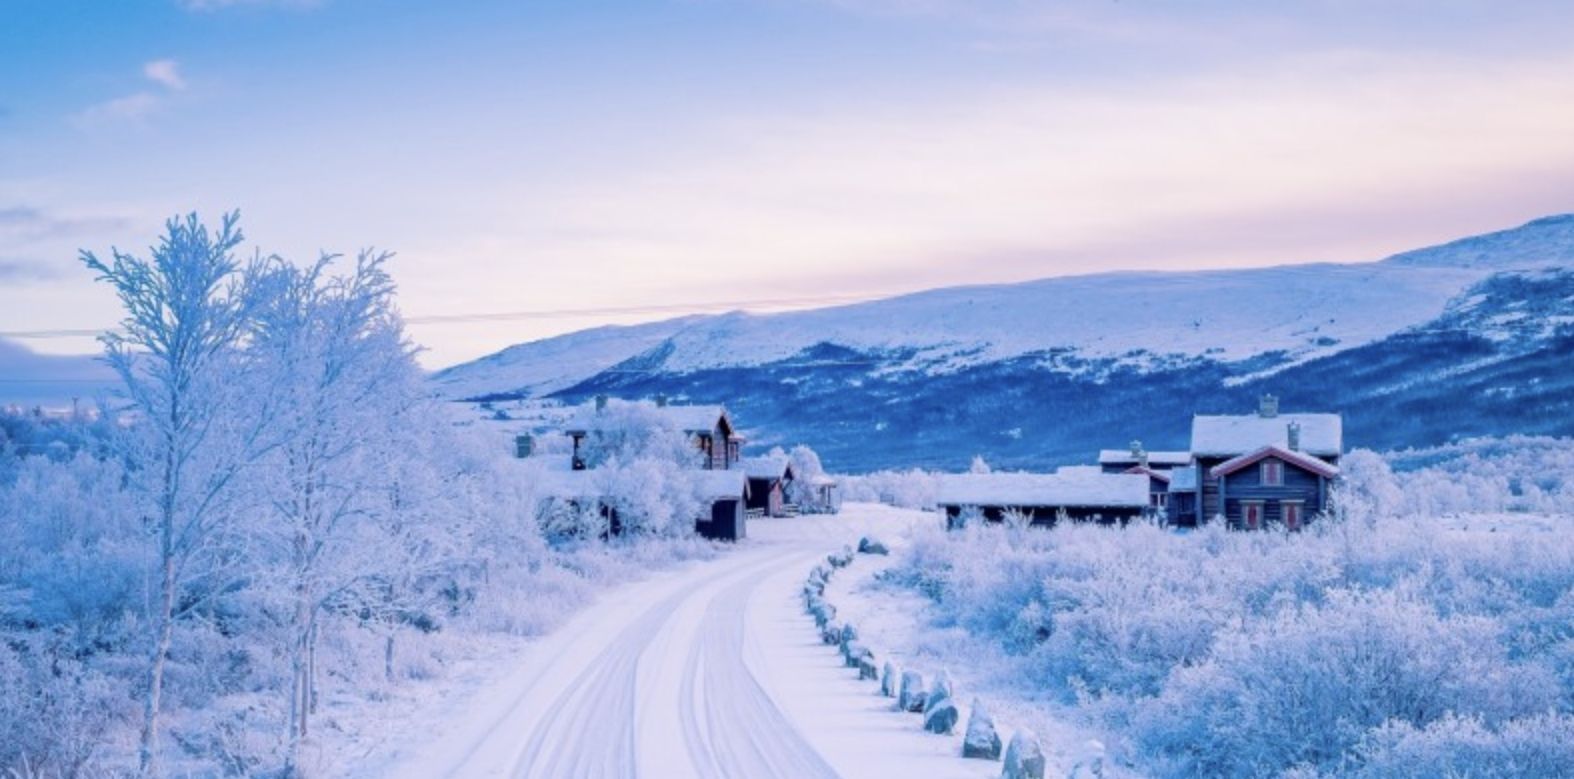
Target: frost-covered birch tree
x,y
179,356
337,357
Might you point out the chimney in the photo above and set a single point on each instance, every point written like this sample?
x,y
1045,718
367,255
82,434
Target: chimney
x,y
524,445
601,402
1138,453
1292,434
1268,408
661,400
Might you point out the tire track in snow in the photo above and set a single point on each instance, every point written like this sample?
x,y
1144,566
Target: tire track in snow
x,y
590,729
743,732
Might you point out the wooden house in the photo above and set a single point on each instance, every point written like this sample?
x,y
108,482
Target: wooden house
x,y
726,492
563,493
769,479
1081,494
1254,469
708,427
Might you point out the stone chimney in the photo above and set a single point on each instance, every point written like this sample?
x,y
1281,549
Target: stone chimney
x,y
524,445
661,400
1292,434
1138,453
1268,407
601,403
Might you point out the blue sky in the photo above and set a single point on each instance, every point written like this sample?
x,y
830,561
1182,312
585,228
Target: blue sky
x,y
566,155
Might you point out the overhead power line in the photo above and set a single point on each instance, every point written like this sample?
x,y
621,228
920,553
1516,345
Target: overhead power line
x,y
517,316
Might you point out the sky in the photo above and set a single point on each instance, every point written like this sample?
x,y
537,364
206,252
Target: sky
x,y
590,162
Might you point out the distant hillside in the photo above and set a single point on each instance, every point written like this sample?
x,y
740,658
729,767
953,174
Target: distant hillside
x,y
28,378
1469,338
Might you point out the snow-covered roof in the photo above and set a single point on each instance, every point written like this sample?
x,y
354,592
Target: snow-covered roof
x,y
1067,487
1184,479
1124,456
1163,476
1301,459
555,483
765,467
689,419
721,484
1228,436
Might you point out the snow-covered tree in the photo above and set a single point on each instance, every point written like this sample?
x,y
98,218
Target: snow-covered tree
x,y
336,357
978,465
180,358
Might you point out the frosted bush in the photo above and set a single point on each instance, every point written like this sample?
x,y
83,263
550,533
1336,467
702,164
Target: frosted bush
x,y
1378,642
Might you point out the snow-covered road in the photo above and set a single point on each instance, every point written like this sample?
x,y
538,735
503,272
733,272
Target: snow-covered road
x,y
708,671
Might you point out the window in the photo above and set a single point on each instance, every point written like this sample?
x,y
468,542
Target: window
x,y
1251,514
1161,499
1272,473
1290,512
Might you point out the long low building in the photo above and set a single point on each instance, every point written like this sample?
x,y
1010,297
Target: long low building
x,y
1082,494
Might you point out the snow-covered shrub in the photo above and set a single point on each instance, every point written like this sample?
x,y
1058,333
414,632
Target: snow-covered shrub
x,y
1537,745
1369,641
914,489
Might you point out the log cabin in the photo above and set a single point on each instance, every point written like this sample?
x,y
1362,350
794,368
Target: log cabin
x,y
769,480
708,427
726,493
1268,467
1079,494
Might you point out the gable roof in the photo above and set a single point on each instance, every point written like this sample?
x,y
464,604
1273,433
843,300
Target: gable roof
x,y
721,484
1163,476
1123,456
1298,459
1063,488
1227,436
766,467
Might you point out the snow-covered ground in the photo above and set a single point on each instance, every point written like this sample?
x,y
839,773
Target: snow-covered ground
x,y
710,670
897,623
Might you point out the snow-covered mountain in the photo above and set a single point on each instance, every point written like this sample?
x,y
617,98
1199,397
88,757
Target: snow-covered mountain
x,y
902,380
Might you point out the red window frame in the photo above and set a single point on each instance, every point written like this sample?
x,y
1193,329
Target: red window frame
x,y
1292,512
1272,473
1252,514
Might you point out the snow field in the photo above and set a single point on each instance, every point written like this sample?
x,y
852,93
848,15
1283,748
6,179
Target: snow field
x,y
706,671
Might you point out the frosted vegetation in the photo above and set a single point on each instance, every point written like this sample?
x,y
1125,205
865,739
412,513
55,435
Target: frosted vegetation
x,y
274,529
1415,633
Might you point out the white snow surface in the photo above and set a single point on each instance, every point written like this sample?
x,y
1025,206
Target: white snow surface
x,y
1137,318
1231,435
1076,486
1121,456
712,670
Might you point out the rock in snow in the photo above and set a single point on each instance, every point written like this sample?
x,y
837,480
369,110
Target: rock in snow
x,y
940,716
868,545
866,666
941,687
889,680
853,652
913,694
982,741
1024,757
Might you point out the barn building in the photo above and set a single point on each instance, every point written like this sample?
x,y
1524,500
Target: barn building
x,y
1081,494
